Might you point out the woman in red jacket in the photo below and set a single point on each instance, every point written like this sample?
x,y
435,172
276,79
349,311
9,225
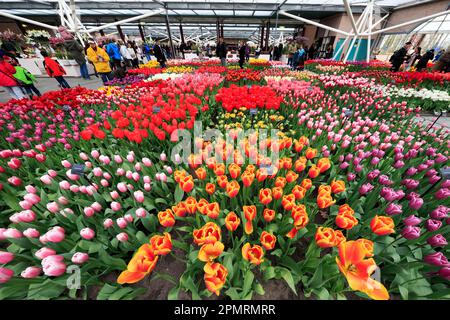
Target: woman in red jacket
x,y
8,81
55,70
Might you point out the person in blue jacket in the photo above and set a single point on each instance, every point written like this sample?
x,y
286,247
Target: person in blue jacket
x,y
298,60
113,51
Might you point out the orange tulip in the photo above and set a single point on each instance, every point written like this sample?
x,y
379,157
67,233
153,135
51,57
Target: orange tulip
x,y
323,164
291,176
234,170
346,220
161,245
250,168
219,169
268,240
232,221
310,153
253,254
210,188
303,140
250,214
187,183
307,184
201,173
212,210
179,210
268,214
382,225
166,218
194,160
280,182
324,189
191,205
299,192
210,251
178,175
209,233
324,200
298,147
345,208
142,263
287,163
211,162
325,237
357,269
222,181
261,174
277,192
233,188
313,172
300,164
201,206
215,277
247,178
337,186
339,237
300,216
368,246
265,196
288,202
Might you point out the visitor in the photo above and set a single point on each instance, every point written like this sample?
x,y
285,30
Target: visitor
x,y
399,56
298,60
443,63
208,51
26,80
183,48
75,49
86,47
311,52
247,53
221,52
125,54
54,69
100,59
159,54
411,60
114,54
147,51
329,52
242,51
7,79
257,52
438,55
280,51
133,54
423,61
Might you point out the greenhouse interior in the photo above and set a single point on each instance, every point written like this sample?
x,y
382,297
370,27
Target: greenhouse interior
x,y
224,150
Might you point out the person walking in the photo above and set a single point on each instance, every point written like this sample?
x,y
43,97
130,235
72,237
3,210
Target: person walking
x,y
398,57
125,54
242,50
7,79
423,61
443,63
221,52
54,70
257,52
75,49
114,54
298,60
100,59
329,52
26,79
413,58
159,54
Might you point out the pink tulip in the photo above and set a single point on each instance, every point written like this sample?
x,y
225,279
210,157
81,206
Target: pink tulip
x,y
74,188
66,164
31,233
433,225
442,194
12,233
52,173
31,272
26,205
117,159
5,274
147,187
139,196
84,156
147,162
129,218
108,223
46,179
53,207
80,257
30,189
122,223
122,187
56,234
44,253
163,156
96,206
437,240
15,181
63,200
440,212
122,237
26,216
87,233
32,197
115,206
95,154
412,220
53,266
114,195
415,203
141,212
130,157
88,211
64,185
6,257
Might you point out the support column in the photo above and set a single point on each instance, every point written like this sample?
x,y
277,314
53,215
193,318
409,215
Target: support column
x,y
217,30
261,42
119,30
102,33
141,32
181,33
221,29
267,35
169,33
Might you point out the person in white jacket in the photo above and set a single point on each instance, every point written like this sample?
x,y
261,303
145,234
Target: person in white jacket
x,y
125,54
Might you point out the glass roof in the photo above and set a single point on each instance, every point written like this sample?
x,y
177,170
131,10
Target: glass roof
x,y
436,25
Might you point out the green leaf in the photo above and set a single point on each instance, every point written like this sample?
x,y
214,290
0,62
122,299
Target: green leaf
x,y
46,290
114,263
317,278
173,293
287,276
142,238
180,245
117,295
259,289
269,273
248,281
179,193
106,291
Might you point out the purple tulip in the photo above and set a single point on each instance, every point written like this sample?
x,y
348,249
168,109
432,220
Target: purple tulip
x,y
351,176
384,180
445,184
431,152
434,179
436,259
410,232
440,158
398,164
388,194
400,194
411,171
440,212
442,194
365,188
393,209
410,183
431,173
373,174
421,167
445,273
415,203
433,225
437,240
412,220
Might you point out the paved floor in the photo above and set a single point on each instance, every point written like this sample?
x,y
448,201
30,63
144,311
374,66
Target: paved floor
x,y
49,84
441,122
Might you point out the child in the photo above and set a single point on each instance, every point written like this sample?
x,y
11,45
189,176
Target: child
x,y
54,69
26,79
